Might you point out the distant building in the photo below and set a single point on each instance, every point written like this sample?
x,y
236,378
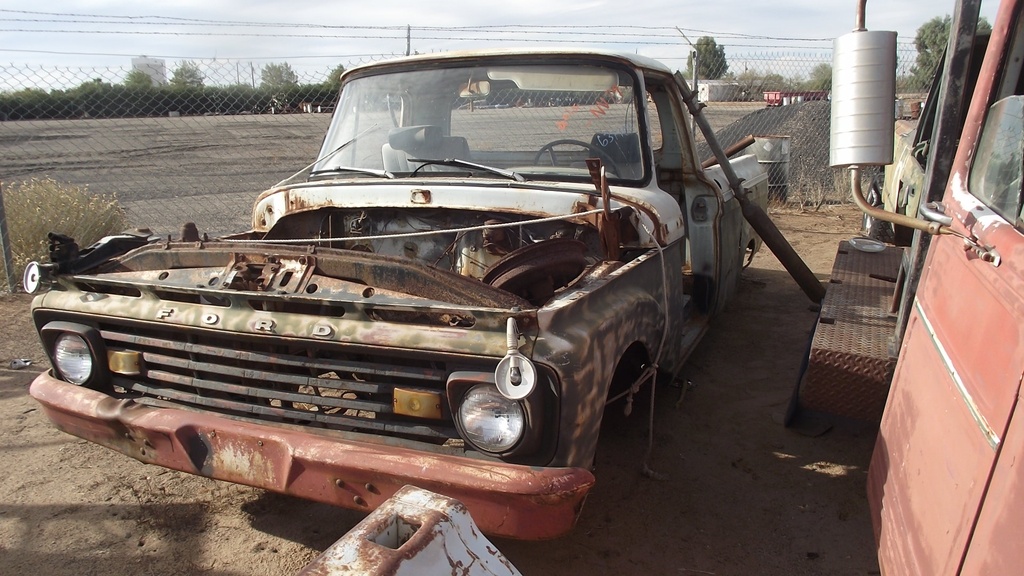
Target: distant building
x,y
718,91
155,68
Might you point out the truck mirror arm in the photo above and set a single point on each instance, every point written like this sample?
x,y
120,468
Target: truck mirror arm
x,y
884,215
935,221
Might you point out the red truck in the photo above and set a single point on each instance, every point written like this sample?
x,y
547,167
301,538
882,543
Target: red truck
x,y
945,487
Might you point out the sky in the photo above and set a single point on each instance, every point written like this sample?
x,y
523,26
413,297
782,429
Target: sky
x,y
319,35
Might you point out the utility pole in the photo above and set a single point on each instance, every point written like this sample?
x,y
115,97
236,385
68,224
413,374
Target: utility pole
x,y
5,241
696,90
408,39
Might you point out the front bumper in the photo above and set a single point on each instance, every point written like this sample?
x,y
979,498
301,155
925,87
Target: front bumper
x,y
508,500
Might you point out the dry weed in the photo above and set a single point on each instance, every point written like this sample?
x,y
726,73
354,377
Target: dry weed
x,y
38,206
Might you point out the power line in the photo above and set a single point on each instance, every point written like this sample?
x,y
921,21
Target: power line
x,y
636,42
669,31
170,57
593,38
602,31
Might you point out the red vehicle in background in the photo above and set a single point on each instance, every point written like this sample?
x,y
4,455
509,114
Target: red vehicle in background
x,y
781,98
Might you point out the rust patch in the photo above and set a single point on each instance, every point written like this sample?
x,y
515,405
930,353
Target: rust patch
x,y
420,196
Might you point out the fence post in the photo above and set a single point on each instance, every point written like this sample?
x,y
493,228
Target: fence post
x,y
5,240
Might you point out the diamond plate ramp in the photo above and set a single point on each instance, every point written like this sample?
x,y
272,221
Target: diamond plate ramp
x,y
849,367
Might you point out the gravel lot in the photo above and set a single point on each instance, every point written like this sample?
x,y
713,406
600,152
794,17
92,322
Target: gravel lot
x,y
167,171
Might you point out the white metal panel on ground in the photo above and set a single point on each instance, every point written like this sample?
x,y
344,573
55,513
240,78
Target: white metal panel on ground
x,y
415,532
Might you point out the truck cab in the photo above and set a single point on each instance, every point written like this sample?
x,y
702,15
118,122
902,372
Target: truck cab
x,y
489,249
945,485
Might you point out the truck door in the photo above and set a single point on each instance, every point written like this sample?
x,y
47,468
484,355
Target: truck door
x,y
944,482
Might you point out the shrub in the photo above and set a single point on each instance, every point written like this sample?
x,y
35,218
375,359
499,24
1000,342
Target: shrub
x,y
38,206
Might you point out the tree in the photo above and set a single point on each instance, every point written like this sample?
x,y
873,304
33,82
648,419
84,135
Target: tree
x,y
138,79
274,76
711,63
333,81
187,75
930,41
820,78
91,86
754,83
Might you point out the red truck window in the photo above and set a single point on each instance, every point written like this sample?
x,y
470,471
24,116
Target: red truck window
x,y
997,173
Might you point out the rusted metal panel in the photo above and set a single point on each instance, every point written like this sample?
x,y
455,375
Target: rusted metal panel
x,y
505,499
929,467
415,532
992,549
975,311
626,306
948,411
944,483
850,366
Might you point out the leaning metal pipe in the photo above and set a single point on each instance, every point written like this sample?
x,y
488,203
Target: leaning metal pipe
x,y
758,218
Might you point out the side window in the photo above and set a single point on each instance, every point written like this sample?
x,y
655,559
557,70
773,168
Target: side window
x,y
999,166
655,125
666,125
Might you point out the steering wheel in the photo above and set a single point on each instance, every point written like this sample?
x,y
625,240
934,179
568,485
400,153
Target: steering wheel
x,y
593,150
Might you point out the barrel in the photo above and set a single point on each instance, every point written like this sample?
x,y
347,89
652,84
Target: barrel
x,y
772,153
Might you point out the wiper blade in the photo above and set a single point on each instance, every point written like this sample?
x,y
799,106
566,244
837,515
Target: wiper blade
x,y
369,171
325,156
467,164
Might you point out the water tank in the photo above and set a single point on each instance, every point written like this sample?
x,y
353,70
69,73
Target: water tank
x,y
863,96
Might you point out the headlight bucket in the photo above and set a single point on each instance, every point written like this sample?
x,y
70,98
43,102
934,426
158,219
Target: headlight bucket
x,y
77,353
540,416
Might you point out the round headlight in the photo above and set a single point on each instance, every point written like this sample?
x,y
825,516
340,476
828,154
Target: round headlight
x,y
73,359
490,421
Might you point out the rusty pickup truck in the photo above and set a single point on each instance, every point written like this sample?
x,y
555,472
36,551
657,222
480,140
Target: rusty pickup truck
x,y
490,249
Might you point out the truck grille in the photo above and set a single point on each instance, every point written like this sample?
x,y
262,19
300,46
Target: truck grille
x,y
308,383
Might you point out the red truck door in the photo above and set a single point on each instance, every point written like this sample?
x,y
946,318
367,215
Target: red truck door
x,y
945,484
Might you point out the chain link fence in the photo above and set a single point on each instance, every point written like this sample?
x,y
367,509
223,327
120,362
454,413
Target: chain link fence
x,y
143,147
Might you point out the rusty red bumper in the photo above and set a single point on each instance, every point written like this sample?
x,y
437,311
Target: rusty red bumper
x,y
504,499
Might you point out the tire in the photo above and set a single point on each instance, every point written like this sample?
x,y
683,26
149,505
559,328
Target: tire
x,y
874,228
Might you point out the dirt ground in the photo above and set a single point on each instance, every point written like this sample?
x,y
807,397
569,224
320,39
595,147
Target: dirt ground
x,y
741,494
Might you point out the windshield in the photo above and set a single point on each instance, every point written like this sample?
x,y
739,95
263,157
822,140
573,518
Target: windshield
x,y
539,121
